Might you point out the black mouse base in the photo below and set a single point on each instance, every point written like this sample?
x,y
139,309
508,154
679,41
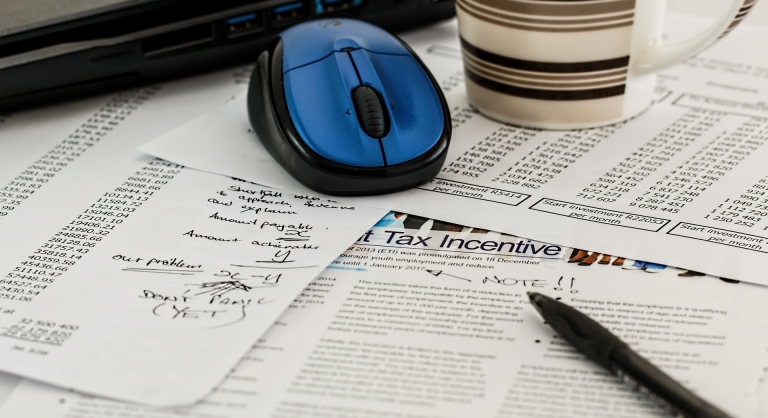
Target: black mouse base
x,y
269,117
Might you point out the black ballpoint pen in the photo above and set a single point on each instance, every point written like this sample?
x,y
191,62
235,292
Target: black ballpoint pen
x,y
607,350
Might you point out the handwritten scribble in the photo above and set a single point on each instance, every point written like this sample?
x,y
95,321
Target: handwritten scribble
x,y
561,287
506,281
218,202
279,257
221,288
438,273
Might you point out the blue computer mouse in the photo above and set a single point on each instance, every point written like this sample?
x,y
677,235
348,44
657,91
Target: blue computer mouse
x,y
349,109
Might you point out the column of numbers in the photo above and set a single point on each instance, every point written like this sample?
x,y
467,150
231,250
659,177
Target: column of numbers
x,y
461,115
681,186
748,208
73,241
484,155
81,140
651,156
551,158
455,80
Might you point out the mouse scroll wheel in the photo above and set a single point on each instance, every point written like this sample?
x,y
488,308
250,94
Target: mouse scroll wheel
x,y
371,111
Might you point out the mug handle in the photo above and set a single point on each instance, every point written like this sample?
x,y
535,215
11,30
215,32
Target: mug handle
x,y
659,56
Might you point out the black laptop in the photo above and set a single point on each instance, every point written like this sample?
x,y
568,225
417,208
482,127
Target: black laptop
x,y
52,50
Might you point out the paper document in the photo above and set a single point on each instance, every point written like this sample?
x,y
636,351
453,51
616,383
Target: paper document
x,y
185,270
429,319
134,278
683,184
58,159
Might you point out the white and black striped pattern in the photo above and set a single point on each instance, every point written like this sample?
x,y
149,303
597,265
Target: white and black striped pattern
x,y
552,16
545,80
745,8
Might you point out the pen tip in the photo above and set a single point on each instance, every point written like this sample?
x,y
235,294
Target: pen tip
x,y
537,300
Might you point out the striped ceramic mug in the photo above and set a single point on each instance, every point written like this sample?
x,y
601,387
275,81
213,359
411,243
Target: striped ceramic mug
x,y
567,64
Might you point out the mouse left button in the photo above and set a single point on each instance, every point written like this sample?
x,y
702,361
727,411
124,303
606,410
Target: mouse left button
x,y
324,115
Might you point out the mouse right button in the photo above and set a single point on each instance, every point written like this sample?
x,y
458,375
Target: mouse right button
x,y
415,109
320,106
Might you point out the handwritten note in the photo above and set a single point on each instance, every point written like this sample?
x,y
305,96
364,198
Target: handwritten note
x,y
391,329
158,309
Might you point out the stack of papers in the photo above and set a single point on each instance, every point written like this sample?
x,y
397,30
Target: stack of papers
x,y
683,184
154,290
393,329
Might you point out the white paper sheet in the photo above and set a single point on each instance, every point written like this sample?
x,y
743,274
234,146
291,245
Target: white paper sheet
x,y
436,331
172,296
58,159
102,290
682,184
